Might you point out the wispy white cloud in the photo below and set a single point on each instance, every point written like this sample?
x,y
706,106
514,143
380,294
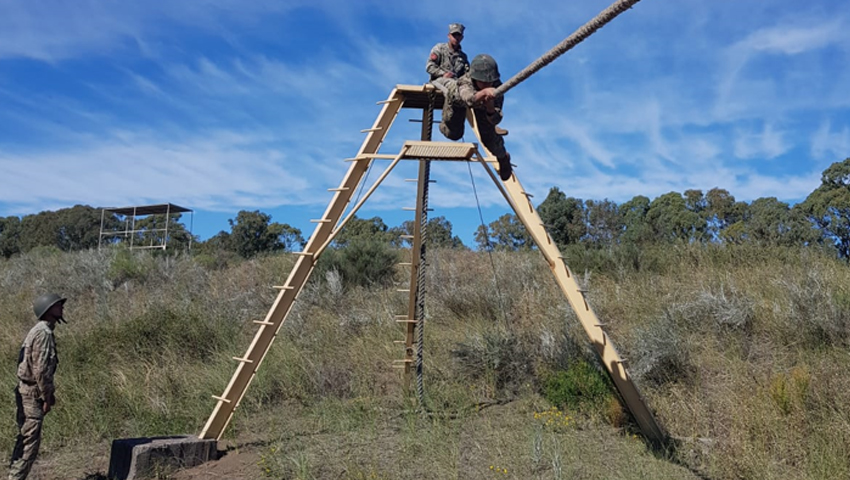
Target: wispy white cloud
x,y
215,105
768,143
829,144
793,40
137,168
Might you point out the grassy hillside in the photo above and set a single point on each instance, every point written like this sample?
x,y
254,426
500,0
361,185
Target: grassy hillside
x,y
742,353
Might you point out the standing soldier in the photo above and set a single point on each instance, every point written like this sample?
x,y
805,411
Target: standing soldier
x,y
35,392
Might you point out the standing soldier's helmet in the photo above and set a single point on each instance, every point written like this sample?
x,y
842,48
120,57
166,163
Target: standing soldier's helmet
x,y
484,69
43,303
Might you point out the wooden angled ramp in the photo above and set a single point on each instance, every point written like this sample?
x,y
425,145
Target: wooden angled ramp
x,y
520,201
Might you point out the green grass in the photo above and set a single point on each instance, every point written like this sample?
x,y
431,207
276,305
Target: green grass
x,y
741,352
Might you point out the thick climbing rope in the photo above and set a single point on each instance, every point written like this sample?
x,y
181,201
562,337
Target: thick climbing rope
x,y
577,37
427,130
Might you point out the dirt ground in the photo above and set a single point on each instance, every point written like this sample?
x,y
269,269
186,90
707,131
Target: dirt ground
x,y
234,464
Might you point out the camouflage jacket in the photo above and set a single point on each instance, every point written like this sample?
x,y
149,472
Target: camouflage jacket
x,y
466,91
38,361
443,59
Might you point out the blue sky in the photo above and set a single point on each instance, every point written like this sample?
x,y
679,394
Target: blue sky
x,y
228,105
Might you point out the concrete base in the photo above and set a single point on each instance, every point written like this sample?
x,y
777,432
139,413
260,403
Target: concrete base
x,y
138,458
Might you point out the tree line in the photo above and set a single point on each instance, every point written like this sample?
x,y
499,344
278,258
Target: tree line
x,y
822,219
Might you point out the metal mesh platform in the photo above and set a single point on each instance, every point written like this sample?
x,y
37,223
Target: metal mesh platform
x,y
439,150
419,96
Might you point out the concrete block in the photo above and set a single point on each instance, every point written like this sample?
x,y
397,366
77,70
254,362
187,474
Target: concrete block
x,y
139,458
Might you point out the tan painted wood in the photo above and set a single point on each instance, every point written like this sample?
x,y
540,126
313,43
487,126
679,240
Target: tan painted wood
x,y
331,221
235,390
520,201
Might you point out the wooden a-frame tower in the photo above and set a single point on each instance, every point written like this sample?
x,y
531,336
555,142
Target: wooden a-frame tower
x,y
424,151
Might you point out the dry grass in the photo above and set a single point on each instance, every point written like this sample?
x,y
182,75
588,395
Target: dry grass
x,y
742,352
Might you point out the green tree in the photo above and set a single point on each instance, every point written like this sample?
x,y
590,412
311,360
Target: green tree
x,y
252,233
10,233
636,228
79,227
828,207
671,219
438,231
506,233
68,229
768,222
371,229
721,211
604,222
564,217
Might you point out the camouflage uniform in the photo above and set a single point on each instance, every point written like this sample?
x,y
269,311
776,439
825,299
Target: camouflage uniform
x,y
445,59
36,367
452,125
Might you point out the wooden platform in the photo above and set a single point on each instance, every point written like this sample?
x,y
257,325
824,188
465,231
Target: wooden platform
x,y
419,96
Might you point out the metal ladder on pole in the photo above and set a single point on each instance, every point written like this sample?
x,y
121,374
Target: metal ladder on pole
x,y
332,222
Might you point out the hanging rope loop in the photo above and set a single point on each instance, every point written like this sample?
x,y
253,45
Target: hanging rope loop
x,y
577,37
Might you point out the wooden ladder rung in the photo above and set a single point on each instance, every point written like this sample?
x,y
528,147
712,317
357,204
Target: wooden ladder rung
x,y
405,264
406,236
304,254
339,189
221,399
370,130
243,360
320,220
283,287
391,100
263,322
403,290
407,320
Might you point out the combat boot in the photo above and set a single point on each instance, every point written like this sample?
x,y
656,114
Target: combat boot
x,y
505,168
501,131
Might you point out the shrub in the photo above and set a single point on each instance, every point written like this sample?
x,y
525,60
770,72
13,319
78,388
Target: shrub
x,y
663,353
361,262
496,357
127,266
581,387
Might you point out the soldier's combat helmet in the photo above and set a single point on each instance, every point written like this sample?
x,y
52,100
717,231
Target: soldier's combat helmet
x,y
484,68
43,303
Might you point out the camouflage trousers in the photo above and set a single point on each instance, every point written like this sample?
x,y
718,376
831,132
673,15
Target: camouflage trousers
x,y
454,115
30,417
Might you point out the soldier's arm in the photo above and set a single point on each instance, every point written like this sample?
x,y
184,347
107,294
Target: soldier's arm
x,y
40,356
496,116
466,91
433,66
